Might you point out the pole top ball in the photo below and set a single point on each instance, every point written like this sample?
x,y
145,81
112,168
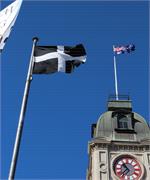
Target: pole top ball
x,y
35,39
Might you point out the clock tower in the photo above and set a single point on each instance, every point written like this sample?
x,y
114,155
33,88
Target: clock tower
x,y
120,145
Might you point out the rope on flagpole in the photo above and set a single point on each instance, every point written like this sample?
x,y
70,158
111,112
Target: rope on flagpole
x,y
22,115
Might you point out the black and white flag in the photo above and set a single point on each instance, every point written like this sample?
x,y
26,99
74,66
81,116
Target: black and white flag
x,y
8,17
51,59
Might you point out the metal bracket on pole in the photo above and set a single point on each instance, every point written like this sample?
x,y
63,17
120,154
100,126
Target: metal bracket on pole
x,y
22,115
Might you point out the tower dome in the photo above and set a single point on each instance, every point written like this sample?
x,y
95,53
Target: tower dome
x,y
119,123
120,145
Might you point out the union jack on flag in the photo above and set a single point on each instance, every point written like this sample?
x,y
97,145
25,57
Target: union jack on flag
x,y
124,49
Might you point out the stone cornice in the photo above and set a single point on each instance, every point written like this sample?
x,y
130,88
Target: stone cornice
x,y
118,146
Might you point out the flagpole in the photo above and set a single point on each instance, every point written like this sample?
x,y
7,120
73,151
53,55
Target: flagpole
x,y
22,115
116,81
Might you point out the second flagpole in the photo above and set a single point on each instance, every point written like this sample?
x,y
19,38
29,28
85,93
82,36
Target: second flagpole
x,y
22,115
116,80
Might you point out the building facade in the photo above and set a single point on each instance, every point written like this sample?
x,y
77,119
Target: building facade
x,y
120,145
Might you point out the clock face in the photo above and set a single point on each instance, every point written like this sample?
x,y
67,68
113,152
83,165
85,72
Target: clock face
x,y
127,168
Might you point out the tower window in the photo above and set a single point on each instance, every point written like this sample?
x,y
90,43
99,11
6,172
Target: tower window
x,y
123,125
123,122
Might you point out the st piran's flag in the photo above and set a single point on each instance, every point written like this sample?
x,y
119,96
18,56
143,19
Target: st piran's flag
x,y
124,49
8,17
51,59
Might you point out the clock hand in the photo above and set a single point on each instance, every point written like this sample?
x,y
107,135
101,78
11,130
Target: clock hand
x,y
123,173
126,169
126,172
125,166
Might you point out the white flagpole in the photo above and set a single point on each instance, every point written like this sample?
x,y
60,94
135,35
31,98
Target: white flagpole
x,y
116,81
22,115
115,74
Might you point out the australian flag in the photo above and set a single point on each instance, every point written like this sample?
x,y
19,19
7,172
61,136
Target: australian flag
x,y
124,49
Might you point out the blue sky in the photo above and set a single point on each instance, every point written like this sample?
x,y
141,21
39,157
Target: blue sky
x,y
62,107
